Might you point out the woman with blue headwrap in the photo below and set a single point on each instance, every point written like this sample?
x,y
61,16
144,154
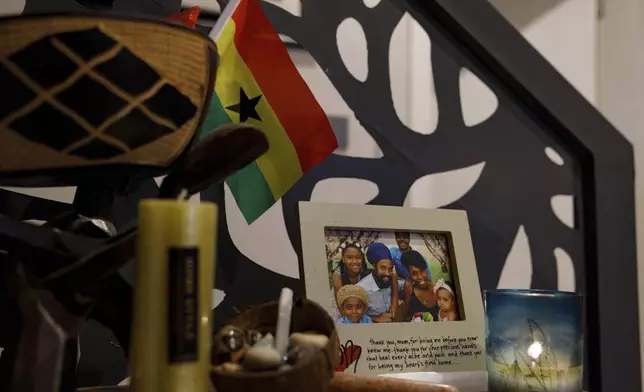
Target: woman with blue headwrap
x,y
419,295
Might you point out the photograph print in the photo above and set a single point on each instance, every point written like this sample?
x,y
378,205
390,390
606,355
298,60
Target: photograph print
x,y
387,276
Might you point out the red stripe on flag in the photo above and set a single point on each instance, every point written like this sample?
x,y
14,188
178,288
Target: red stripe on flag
x,y
299,113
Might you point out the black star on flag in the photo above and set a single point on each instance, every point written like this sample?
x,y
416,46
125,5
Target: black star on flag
x,y
246,106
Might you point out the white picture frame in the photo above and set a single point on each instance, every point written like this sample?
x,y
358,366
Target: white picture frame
x,y
398,347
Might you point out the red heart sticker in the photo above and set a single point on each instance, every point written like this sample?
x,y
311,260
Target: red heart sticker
x,y
349,354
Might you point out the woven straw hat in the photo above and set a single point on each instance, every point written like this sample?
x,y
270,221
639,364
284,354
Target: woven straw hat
x,y
91,91
353,291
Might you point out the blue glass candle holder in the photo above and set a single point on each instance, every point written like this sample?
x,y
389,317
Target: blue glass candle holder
x,y
534,340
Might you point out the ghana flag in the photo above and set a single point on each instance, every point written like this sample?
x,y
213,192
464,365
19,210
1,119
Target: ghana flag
x,y
257,83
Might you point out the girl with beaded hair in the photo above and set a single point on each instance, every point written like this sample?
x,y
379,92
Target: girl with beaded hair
x,y
350,270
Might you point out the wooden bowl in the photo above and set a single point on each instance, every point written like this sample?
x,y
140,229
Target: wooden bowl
x,y
123,388
313,375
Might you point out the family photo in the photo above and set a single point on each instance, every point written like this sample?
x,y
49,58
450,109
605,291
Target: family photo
x,y
384,277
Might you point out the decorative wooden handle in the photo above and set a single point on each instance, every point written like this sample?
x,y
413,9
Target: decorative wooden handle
x,y
347,382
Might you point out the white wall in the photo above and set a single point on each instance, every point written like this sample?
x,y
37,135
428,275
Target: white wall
x,y
621,97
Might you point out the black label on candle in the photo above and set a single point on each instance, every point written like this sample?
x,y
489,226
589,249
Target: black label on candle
x,y
183,305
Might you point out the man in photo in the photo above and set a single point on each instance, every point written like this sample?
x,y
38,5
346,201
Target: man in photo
x,y
382,285
353,301
402,240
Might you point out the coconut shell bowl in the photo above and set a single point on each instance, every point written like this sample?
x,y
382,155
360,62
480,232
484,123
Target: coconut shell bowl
x,y
312,375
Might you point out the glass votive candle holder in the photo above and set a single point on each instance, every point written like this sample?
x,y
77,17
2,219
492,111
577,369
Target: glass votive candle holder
x,y
534,340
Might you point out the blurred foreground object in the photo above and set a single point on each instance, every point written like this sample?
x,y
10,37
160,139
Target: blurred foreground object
x,y
173,292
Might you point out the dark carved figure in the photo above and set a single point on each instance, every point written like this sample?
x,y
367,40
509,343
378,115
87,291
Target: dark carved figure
x,y
59,274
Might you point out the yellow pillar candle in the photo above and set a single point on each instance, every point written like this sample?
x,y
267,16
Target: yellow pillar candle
x,y
173,295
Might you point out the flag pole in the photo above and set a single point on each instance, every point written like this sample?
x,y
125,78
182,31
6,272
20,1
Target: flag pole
x,y
227,9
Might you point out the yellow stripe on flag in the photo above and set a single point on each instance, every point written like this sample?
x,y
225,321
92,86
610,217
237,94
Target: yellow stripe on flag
x,y
280,165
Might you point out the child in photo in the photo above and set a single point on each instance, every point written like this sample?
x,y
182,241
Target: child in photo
x,y
353,301
445,301
352,268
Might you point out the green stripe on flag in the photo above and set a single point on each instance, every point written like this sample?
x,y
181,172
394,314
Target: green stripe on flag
x,y
248,186
216,117
250,190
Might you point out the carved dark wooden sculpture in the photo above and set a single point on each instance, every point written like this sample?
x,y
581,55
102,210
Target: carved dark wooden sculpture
x,y
145,111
